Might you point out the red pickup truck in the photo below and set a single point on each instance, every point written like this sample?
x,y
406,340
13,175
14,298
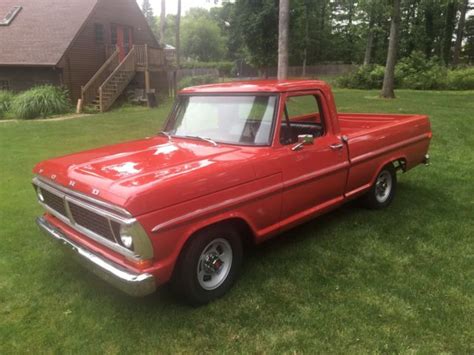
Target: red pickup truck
x,y
236,162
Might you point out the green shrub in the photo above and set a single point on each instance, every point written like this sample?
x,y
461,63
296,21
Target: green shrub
x,y
197,80
420,73
41,101
365,77
414,72
224,68
461,79
6,98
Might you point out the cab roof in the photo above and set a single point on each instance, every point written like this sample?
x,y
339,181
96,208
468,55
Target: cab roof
x,y
253,86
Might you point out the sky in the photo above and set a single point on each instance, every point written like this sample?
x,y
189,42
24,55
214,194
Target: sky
x,y
171,5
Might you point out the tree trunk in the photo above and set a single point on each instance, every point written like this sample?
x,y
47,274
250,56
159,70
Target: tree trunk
x,y
163,22
389,76
460,32
349,28
449,30
370,38
429,30
283,22
178,20
306,40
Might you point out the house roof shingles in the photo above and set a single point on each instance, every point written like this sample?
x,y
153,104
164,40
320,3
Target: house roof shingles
x,y
42,31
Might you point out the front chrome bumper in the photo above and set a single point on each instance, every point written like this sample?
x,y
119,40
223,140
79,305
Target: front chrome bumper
x,y
128,282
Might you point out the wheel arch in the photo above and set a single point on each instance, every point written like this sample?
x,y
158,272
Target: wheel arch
x,y
399,163
243,227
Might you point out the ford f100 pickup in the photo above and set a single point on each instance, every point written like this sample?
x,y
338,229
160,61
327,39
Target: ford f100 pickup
x,y
235,163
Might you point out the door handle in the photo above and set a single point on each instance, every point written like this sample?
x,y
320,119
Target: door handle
x,y
336,146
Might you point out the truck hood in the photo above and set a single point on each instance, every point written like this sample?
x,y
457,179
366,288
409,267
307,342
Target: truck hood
x,y
153,173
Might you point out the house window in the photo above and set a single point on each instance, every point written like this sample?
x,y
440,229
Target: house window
x,y
113,34
99,33
10,16
4,85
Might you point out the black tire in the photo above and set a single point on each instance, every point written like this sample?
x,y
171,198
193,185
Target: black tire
x,y
186,282
374,199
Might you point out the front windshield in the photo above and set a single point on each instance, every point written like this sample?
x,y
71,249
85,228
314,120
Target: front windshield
x,y
234,119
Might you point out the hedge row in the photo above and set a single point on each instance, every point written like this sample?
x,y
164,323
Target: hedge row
x,y
414,72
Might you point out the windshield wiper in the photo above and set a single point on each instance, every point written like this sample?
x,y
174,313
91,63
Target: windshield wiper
x,y
165,134
209,140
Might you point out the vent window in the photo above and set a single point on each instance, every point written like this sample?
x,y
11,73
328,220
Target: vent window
x,y
10,16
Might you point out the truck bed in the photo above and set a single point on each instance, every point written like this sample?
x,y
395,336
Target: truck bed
x,y
374,139
355,124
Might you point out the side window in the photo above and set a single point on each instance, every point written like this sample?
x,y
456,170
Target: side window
x,y
99,32
303,115
303,108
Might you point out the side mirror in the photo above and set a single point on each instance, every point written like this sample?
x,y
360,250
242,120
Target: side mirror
x,y
306,139
303,139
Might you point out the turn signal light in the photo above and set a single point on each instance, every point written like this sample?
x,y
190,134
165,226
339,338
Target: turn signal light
x,y
140,264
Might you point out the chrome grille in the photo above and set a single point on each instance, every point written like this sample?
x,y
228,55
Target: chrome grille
x,y
91,221
96,219
53,201
78,216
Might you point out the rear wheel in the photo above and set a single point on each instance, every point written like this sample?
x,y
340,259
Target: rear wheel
x,y
209,265
383,190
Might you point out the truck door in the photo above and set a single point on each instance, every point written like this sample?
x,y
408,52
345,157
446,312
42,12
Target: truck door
x,y
314,172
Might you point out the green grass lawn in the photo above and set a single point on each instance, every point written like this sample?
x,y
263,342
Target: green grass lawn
x,y
397,280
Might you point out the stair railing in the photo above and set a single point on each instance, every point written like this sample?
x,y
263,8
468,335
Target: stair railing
x,y
125,72
89,91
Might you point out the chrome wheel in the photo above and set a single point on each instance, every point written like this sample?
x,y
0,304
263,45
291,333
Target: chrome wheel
x,y
383,186
214,264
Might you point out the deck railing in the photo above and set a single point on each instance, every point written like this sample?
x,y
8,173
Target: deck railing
x,y
149,57
89,91
156,57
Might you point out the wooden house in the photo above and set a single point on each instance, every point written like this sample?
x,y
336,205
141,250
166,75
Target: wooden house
x,y
94,48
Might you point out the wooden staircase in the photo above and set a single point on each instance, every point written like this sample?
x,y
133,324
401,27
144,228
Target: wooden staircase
x,y
114,75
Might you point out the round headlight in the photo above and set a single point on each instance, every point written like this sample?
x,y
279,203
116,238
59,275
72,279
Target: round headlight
x,y
40,194
126,240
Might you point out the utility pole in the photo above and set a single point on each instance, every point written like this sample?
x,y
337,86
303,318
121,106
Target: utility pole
x,y
178,20
163,22
283,22
178,59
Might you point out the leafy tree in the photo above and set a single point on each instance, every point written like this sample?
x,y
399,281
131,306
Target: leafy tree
x,y
202,39
258,21
148,12
169,30
351,31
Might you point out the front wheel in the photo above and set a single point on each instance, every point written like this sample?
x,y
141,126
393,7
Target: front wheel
x,y
383,190
208,265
